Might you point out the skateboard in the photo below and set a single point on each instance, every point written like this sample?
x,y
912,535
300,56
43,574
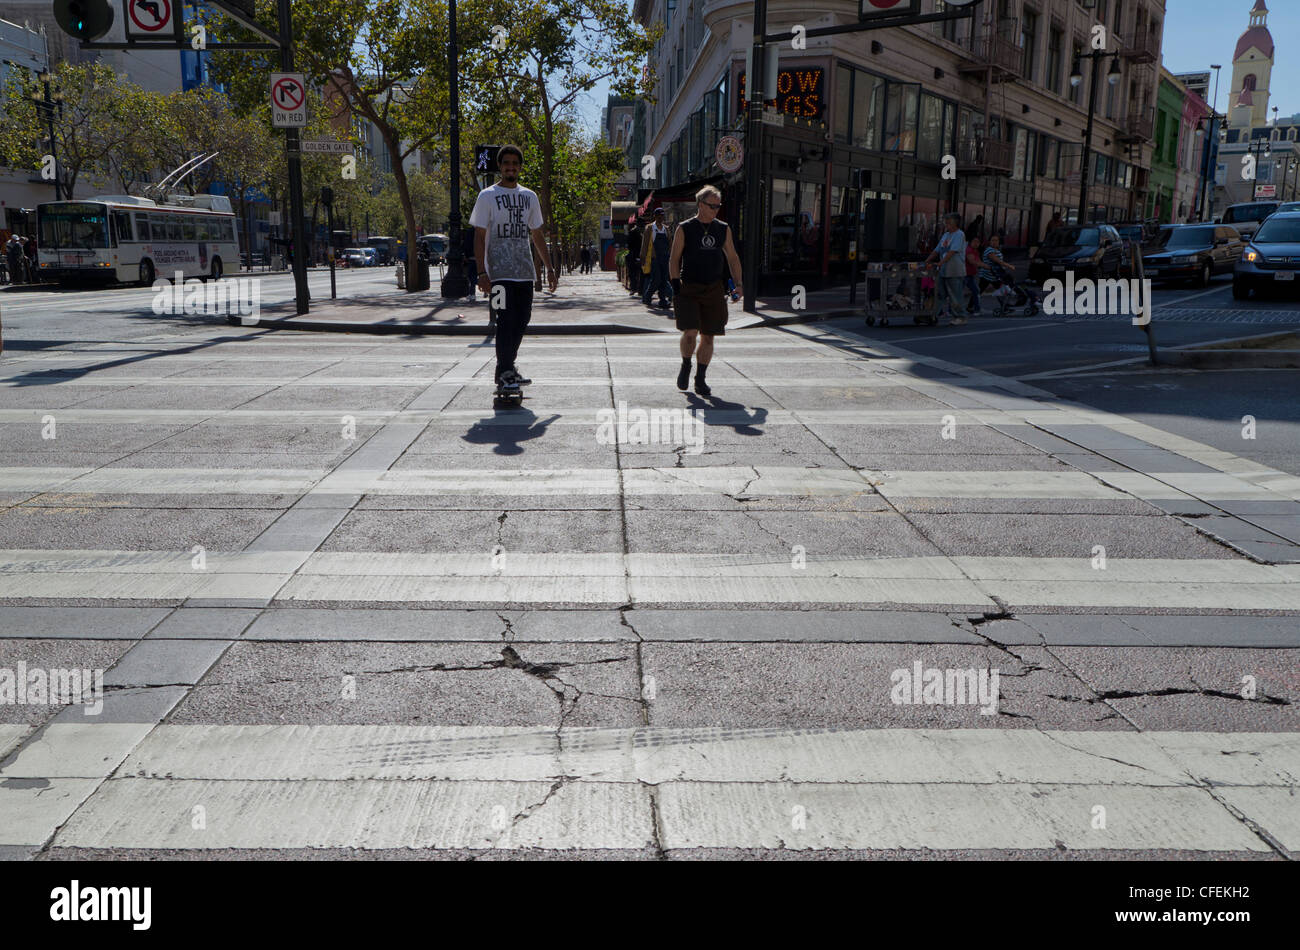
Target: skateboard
x,y
508,397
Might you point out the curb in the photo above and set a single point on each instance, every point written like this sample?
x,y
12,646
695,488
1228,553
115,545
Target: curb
x,y
540,329
1230,359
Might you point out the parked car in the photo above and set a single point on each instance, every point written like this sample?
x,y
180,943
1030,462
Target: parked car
x,y
1132,235
1092,251
1288,206
1248,216
1192,252
1272,257
355,257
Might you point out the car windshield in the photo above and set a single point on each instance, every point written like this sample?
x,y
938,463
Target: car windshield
x,y
1288,206
1279,231
73,226
1184,237
1255,212
1132,232
1063,237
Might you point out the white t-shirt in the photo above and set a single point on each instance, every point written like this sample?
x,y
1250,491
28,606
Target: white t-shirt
x,y
509,215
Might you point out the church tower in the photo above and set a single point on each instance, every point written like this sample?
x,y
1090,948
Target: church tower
x,y
1252,68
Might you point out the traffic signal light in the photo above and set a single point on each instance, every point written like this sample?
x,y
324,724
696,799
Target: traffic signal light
x,y
85,19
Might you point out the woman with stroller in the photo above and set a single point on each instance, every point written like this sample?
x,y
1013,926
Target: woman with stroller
x,y
997,273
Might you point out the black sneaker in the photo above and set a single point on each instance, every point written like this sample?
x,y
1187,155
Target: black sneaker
x,y
511,377
702,387
684,377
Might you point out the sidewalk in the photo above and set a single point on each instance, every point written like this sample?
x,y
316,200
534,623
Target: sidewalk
x,y
583,303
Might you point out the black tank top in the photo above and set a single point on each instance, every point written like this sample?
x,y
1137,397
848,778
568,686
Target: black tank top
x,y
703,261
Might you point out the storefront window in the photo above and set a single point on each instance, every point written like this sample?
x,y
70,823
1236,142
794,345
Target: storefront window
x,y
795,233
900,118
868,110
843,102
1049,154
1018,167
949,128
930,147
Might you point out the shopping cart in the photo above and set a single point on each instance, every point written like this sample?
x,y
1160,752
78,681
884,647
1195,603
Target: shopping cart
x,y
896,291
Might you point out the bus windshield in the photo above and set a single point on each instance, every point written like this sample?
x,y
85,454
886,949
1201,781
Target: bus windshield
x,y
79,225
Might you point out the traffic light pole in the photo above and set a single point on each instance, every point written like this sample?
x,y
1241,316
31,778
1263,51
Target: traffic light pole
x,y
294,155
455,284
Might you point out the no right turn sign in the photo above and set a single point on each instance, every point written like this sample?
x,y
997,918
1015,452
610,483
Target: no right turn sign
x,y
288,101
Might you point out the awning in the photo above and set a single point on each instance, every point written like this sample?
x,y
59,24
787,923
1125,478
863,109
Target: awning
x,y
682,191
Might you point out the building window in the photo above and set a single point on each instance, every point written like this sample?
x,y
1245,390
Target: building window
x,y
1047,157
1055,44
947,28
900,117
868,109
1028,44
930,145
843,103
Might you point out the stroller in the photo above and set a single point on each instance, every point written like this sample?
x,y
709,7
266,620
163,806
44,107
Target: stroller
x,y
1011,296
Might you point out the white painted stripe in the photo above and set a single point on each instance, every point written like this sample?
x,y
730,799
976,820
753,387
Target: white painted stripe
x,y
30,812
862,381
88,749
657,754
710,815
726,418
613,579
158,814
379,786
10,735
701,480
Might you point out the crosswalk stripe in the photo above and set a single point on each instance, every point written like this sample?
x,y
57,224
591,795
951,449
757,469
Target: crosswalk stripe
x,y
384,786
611,579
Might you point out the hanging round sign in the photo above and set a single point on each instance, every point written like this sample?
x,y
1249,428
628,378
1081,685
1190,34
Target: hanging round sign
x,y
729,153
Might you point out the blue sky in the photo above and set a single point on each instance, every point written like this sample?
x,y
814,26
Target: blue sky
x,y
1201,32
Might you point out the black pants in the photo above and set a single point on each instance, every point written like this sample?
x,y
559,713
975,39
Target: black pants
x,y
511,319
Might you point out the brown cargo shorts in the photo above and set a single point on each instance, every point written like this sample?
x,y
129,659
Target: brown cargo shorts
x,y
702,307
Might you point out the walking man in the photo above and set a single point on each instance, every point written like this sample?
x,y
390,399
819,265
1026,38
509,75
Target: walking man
x,y
507,221
951,255
702,254
634,258
656,267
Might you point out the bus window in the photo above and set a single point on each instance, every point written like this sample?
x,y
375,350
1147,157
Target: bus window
x,y
201,231
175,232
123,222
142,227
188,222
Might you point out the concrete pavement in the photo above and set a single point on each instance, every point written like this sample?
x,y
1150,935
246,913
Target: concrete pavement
x,y
339,602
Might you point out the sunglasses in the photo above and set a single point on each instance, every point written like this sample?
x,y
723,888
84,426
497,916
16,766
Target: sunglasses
x,y
707,205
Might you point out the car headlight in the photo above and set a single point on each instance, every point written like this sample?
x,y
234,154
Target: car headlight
x,y
1251,255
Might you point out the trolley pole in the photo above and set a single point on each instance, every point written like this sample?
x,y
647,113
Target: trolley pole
x,y
294,156
754,158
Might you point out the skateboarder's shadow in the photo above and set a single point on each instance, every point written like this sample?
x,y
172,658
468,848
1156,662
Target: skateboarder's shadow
x,y
522,426
716,411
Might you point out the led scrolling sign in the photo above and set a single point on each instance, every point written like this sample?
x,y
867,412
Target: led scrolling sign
x,y
798,92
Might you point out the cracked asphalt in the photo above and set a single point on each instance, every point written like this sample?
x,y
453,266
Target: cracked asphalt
x,y
352,611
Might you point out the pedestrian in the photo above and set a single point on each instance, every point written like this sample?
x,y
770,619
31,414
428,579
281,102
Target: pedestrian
x,y
507,220
972,276
28,262
1055,223
13,259
950,254
702,254
585,255
658,245
634,259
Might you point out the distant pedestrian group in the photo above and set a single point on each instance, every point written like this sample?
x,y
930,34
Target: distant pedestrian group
x,y
20,260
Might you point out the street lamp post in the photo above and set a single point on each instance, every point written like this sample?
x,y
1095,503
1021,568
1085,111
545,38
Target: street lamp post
x,y
1076,77
454,282
754,236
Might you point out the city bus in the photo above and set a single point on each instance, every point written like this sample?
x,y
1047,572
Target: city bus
x,y
125,239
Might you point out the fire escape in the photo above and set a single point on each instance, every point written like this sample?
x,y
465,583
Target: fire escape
x,y
994,57
1139,47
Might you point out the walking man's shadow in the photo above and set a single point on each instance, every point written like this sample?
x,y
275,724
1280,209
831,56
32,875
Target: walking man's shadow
x,y
716,411
508,430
